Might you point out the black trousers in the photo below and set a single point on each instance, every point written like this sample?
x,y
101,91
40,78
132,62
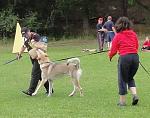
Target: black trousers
x,y
100,38
36,76
146,48
127,68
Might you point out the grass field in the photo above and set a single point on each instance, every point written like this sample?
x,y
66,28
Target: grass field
x,y
99,82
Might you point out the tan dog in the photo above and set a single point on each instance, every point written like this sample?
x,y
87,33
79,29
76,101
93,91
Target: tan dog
x,y
50,70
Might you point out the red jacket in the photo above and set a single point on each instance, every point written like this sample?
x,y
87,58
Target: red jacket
x,y
146,43
124,42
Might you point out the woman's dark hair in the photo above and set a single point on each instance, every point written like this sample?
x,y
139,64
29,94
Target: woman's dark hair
x,y
123,23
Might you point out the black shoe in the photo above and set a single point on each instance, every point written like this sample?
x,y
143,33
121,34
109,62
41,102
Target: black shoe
x,y
27,93
135,100
52,90
101,50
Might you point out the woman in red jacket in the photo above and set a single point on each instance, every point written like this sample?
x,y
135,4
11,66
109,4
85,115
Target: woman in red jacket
x,y
125,43
146,45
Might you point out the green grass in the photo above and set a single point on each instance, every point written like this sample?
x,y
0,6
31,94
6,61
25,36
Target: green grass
x,y
99,82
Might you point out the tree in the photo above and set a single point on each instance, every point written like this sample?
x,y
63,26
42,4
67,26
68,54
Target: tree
x,y
125,7
77,10
7,22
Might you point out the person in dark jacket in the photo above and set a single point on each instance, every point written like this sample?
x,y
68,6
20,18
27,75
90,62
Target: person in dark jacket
x,y
126,44
36,71
100,34
110,30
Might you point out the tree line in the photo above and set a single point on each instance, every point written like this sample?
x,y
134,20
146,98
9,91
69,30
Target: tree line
x,y
58,18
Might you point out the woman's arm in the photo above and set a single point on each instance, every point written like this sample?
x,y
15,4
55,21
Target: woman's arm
x,y
114,47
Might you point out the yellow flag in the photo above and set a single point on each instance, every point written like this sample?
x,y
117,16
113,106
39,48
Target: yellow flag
x,y
18,42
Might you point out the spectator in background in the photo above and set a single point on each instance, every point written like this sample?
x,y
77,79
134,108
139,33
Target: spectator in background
x,y
146,45
125,43
100,34
110,30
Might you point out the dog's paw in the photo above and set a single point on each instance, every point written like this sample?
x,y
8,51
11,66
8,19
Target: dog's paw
x,y
49,95
81,95
33,94
70,95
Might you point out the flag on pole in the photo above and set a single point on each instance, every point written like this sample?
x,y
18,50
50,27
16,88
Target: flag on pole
x,y
18,42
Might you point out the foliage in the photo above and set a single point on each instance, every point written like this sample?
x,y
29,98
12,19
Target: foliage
x,y
7,22
60,18
31,21
131,2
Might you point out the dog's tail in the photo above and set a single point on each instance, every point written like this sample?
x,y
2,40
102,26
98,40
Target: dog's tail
x,y
76,61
